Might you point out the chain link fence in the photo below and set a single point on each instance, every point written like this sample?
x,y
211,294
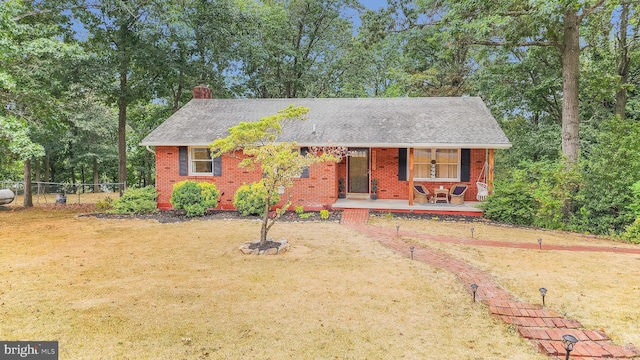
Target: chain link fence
x,y
52,192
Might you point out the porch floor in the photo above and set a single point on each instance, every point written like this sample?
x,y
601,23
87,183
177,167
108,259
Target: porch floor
x,y
469,208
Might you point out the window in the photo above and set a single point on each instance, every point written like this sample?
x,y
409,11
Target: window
x,y
201,163
436,164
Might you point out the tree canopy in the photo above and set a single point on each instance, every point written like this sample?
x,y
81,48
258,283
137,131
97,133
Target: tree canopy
x,y
82,81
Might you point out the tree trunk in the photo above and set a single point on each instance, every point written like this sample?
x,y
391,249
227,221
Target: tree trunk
x,y
38,176
28,197
96,178
623,62
570,82
178,93
265,222
149,167
47,171
122,130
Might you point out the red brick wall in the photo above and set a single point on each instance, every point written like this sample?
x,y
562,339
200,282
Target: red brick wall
x,y
319,189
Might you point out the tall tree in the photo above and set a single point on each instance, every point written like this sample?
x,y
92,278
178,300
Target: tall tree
x,y
114,31
294,49
195,42
33,60
627,41
519,23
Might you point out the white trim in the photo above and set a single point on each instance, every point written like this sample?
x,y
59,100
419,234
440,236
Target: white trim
x,y
192,172
430,179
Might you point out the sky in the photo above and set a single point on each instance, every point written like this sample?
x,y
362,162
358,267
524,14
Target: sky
x,y
374,4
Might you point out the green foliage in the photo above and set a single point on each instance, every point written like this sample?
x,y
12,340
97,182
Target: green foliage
x,y
606,198
511,202
104,204
194,197
632,232
324,214
305,215
136,201
299,209
539,194
251,199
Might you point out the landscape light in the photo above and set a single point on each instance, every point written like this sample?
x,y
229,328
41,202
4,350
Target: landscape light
x,y
411,248
397,230
474,288
569,341
540,243
471,231
543,292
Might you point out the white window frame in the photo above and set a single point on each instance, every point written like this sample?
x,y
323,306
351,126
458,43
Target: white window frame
x,y
433,157
192,170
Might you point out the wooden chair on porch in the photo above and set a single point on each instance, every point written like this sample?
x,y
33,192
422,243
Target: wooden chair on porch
x,y
420,194
457,193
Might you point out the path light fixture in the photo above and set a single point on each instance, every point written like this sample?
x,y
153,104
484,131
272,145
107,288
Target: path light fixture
x,y
543,292
474,288
540,243
568,341
411,248
397,230
471,228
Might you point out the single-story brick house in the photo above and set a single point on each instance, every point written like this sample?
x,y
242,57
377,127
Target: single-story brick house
x,y
436,141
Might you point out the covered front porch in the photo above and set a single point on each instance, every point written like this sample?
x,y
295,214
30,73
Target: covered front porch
x,y
469,208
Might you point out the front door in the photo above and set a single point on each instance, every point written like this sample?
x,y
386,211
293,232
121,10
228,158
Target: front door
x,y
358,170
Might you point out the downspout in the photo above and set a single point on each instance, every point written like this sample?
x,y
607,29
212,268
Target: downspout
x,y
149,150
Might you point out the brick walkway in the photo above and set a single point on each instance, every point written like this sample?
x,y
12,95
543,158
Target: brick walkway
x,y
354,217
543,327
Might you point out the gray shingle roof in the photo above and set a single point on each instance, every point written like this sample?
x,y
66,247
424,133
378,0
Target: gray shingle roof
x,y
364,122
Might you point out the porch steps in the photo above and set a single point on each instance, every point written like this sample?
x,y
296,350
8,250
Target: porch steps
x,y
354,217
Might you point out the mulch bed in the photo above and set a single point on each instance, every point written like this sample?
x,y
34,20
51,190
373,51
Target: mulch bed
x,y
172,216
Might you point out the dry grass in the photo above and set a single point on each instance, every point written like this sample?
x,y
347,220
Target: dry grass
x,y
132,289
50,199
601,290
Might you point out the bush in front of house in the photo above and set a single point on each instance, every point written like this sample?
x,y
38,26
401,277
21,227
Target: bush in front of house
x,y
194,197
104,205
136,201
512,203
250,199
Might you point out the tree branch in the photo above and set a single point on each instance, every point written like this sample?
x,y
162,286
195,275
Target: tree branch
x,y
588,11
506,43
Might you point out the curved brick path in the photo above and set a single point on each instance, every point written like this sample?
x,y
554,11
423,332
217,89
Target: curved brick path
x,y
543,327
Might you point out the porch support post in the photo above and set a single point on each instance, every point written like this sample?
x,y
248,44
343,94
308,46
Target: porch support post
x,y
410,176
490,171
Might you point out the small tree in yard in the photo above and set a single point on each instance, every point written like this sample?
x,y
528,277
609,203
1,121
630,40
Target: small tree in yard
x,y
280,162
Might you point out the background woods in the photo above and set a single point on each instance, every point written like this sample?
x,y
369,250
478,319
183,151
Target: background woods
x,y
82,81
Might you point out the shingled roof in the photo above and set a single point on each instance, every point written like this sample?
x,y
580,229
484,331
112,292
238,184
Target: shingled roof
x,y
444,122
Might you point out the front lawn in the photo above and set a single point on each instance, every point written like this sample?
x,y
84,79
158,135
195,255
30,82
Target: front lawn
x,y
139,289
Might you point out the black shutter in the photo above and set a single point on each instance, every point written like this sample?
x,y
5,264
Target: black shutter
x,y
183,161
305,173
217,166
465,165
402,164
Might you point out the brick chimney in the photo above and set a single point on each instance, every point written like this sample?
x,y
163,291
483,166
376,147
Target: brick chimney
x,y
202,92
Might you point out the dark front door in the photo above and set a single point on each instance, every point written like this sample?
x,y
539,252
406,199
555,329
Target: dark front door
x,y
358,171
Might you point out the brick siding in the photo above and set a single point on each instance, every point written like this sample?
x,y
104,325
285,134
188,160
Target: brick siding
x,y
317,191
314,192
